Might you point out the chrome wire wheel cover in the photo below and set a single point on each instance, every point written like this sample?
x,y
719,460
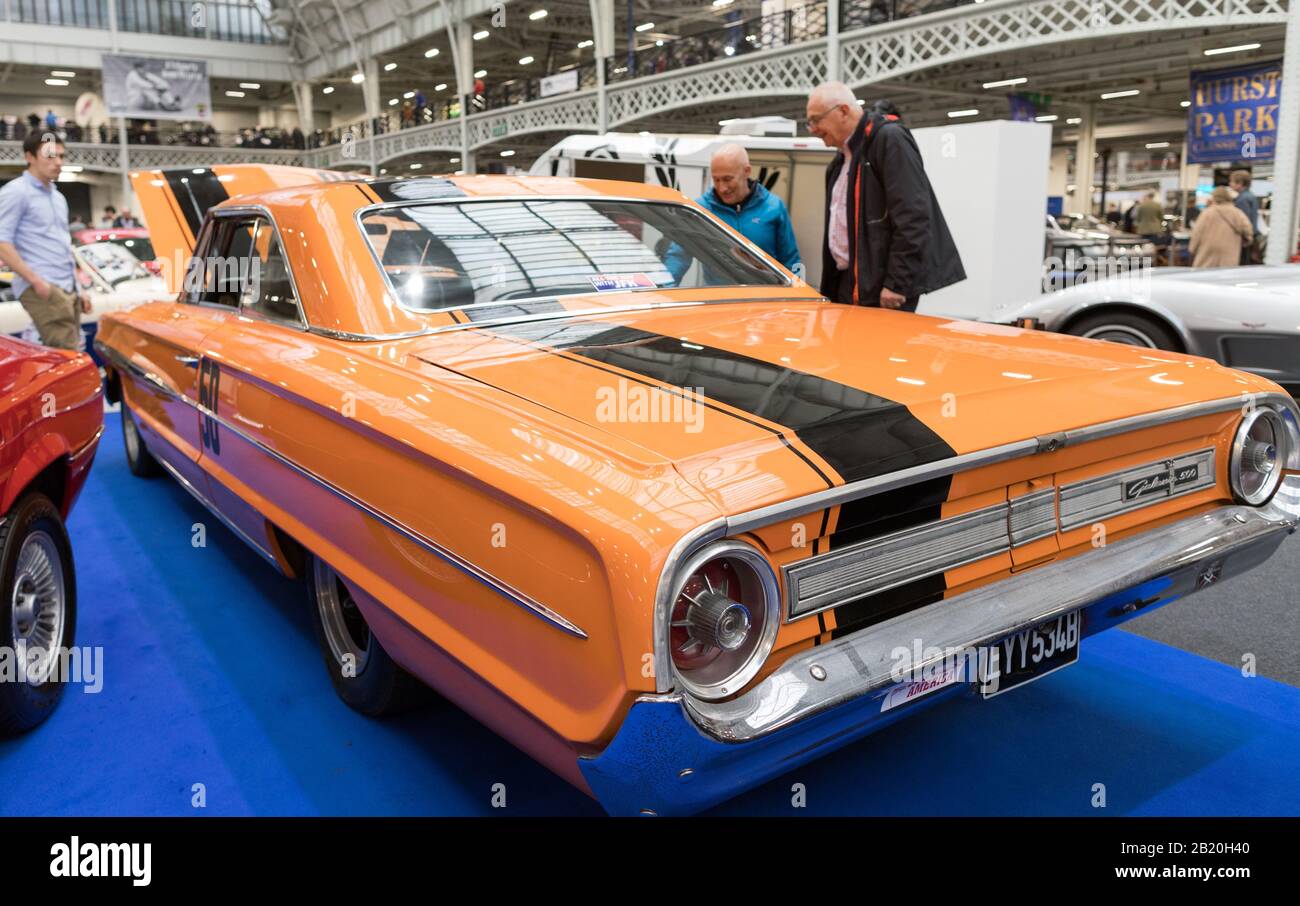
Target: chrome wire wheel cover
x,y
345,628
1121,333
131,434
38,606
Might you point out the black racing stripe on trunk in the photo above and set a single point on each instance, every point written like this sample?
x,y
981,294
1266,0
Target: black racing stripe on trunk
x,y
195,194
890,511
861,435
545,334
885,605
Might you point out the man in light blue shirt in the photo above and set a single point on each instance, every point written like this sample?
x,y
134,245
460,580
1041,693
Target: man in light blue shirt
x,y
36,245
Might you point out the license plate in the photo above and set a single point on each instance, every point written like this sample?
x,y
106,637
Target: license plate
x,y
1031,654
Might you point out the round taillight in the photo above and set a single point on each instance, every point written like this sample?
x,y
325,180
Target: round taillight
x,y
724,619
1258,451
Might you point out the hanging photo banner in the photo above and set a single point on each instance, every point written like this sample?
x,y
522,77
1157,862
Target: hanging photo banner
x,y
559,83
150,88
1233,115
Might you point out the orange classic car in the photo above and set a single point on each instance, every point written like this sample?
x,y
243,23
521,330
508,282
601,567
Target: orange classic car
x,y
670,536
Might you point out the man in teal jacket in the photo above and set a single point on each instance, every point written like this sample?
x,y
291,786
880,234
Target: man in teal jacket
x,y
746,206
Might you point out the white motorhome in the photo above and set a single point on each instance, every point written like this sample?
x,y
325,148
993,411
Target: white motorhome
x,y
990,178
792,168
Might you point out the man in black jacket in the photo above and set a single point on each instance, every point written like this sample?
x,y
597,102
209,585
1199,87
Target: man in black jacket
x,y
886,242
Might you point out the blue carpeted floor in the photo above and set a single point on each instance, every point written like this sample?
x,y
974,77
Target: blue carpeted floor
x,y
212,677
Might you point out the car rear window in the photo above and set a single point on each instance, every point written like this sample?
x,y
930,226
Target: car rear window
x,y
463,253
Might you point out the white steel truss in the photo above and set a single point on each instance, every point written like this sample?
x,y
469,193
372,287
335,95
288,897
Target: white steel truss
x,y
897,48
868,55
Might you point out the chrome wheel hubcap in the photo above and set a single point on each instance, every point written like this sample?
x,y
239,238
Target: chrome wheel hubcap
x,y
345,628
132,435
1120,333
38,606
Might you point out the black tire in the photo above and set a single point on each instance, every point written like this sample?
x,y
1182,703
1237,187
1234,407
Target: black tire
x,y
35,567
138,458
372,682
1128,327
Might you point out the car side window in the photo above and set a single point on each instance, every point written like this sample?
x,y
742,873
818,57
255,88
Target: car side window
x,y
222,263
268,290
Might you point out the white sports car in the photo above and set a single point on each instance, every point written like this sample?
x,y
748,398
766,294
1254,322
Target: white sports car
x,y
1243,317
115,279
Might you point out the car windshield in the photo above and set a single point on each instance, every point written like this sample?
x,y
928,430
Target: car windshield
x,y
457,254
111,262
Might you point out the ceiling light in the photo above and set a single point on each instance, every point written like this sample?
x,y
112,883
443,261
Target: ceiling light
x,y
383,171
1236,48
729,51
328,89
719,4
524,61
389,67
1002,83
392,102
234,94
409,95
63,74
480,35
1046,118
953,114
507,153
358,78
480,73
416,166
440,86
537,14
1157,144
645,26
251,85
659,43
57,83
585,44
1127,93
1074,121
1184,103
431,52
455,160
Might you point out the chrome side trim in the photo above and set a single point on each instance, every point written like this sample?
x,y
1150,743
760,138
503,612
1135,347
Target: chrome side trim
x,y
212,508
757,518
505,590
1191,553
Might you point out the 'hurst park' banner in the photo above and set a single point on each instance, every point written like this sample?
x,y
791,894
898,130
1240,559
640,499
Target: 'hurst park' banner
x,y
1234,114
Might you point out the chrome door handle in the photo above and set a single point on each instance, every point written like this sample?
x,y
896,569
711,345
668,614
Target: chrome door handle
x,y
189,361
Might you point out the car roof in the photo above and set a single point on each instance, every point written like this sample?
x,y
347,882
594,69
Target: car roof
x,y
413,189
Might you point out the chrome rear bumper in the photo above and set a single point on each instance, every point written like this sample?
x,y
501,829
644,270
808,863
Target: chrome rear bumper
x,y
676,753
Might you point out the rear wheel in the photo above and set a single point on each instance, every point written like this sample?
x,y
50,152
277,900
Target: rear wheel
x,y
138,458
38,611
361,670
1129,328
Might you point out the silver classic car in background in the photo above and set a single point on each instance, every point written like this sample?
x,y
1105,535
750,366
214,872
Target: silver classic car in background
x,y
1243,317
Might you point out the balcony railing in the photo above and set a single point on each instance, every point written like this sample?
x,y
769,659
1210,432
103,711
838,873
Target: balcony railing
x,y
169,135
217,20
743,36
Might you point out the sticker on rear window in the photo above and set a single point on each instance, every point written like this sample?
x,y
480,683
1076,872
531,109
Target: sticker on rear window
x,y
612,282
